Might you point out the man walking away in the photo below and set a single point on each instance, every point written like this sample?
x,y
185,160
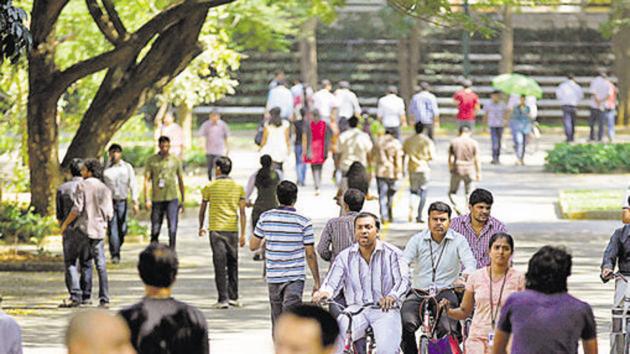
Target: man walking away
x,y
495,112
97,331
92,210
216,133
76,255
10,334
348,105
281,97
120,178
226,198
569,93
600,92
391,111
354,145
160,324
419,150
389,167
325,102
424,108
478,226
467,105
164,173
289,246
463,162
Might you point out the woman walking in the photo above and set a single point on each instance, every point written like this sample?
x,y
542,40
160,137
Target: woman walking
x,y
316,139
520,125
276,140
486,292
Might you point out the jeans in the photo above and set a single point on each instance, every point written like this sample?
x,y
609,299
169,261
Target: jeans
x,y
76,258
418,192
568,120
428,130
97,252
395,131
225,260
317,175
386,191
595,119
118,228
411,320
171,209
496,134
520,140
385,325
210,159
284,295
610,115
300,166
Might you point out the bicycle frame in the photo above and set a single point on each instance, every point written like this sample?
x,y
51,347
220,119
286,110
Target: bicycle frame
x,y
348,344
621,316
429,322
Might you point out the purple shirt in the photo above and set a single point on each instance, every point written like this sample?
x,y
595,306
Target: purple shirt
x,y
546,323
215,135
478,244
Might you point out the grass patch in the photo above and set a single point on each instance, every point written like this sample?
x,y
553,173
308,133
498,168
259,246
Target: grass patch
x,y
591,203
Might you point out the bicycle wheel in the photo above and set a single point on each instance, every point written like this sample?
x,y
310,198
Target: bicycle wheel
x,y
424,345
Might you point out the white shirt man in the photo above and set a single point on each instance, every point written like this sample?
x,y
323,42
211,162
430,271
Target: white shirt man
x,y
326,103
599,90
348,102
281,97
569,93
391,110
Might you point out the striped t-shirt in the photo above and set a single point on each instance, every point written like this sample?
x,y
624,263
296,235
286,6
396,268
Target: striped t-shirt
x,y
224,196
286,233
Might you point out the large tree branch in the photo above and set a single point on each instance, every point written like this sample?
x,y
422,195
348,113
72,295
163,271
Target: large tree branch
x,y
44,15
113,16
103,22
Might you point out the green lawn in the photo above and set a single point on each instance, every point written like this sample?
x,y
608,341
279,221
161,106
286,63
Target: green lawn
x,y
591,202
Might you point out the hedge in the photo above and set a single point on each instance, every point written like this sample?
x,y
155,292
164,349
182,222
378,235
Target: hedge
x,y
588,158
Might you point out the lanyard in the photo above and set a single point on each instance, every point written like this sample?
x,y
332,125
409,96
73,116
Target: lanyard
x,y
435,266
493,313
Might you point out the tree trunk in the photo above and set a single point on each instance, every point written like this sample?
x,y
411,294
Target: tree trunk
x,y
403,68
506,64
122,93
185,120
621,49
415,43
308,52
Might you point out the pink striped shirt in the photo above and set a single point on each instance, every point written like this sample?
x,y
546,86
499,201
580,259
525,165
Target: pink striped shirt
x,y
478,244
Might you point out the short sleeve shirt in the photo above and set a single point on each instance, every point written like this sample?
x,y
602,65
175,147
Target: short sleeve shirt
x,y
496,113
466,102
286,233
224,196
546,323
163,173
215,135
465,149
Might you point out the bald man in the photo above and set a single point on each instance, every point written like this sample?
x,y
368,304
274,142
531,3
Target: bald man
x,y
98,332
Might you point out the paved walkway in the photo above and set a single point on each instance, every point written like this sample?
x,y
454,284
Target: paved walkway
x,y
524,198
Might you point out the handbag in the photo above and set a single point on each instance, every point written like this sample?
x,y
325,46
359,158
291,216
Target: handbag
x,y
259,132
445,345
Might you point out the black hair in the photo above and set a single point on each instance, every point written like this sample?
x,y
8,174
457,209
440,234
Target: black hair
x,y
328,326
224,164
115,147
504,236
287,192
366,214
157,265
75,167
570,76
495,92
164,139
548,270
264,176
354,198
419,127
95,167
440,207
463,129
480,195
275,119
353,122
628,200
358,177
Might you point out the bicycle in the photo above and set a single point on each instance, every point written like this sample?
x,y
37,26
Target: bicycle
x,y
429,321
621,315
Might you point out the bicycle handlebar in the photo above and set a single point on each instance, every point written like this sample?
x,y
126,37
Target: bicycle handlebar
x,y
617,275
426,292
344,308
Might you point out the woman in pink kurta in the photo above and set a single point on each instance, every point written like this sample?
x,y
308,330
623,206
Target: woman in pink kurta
x,y
498,281
316,140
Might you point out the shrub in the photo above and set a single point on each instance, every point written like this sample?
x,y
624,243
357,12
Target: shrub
x,y
137,155
19,224
134,227
588,158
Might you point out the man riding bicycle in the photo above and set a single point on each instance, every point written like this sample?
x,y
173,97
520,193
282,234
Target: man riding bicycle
x,y
437,254
618,252
370,272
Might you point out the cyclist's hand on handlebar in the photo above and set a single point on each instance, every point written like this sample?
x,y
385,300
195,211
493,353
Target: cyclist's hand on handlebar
x,y
320,296
445,304
387,303
607,273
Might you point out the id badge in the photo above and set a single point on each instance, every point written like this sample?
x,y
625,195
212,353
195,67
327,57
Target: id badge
x,y
433,290
491,339
161,183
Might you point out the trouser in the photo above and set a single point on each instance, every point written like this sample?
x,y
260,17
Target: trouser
x,y
78,267
210,160
411,319
284,295
97,252
277,166
520,140
118,228
496,134
595,120
428,130
317,174
225,260
386,327
337,173
394,131
456,180
300,166
418,192
386,191
568,120
170,208
617,330
610,115
468,123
